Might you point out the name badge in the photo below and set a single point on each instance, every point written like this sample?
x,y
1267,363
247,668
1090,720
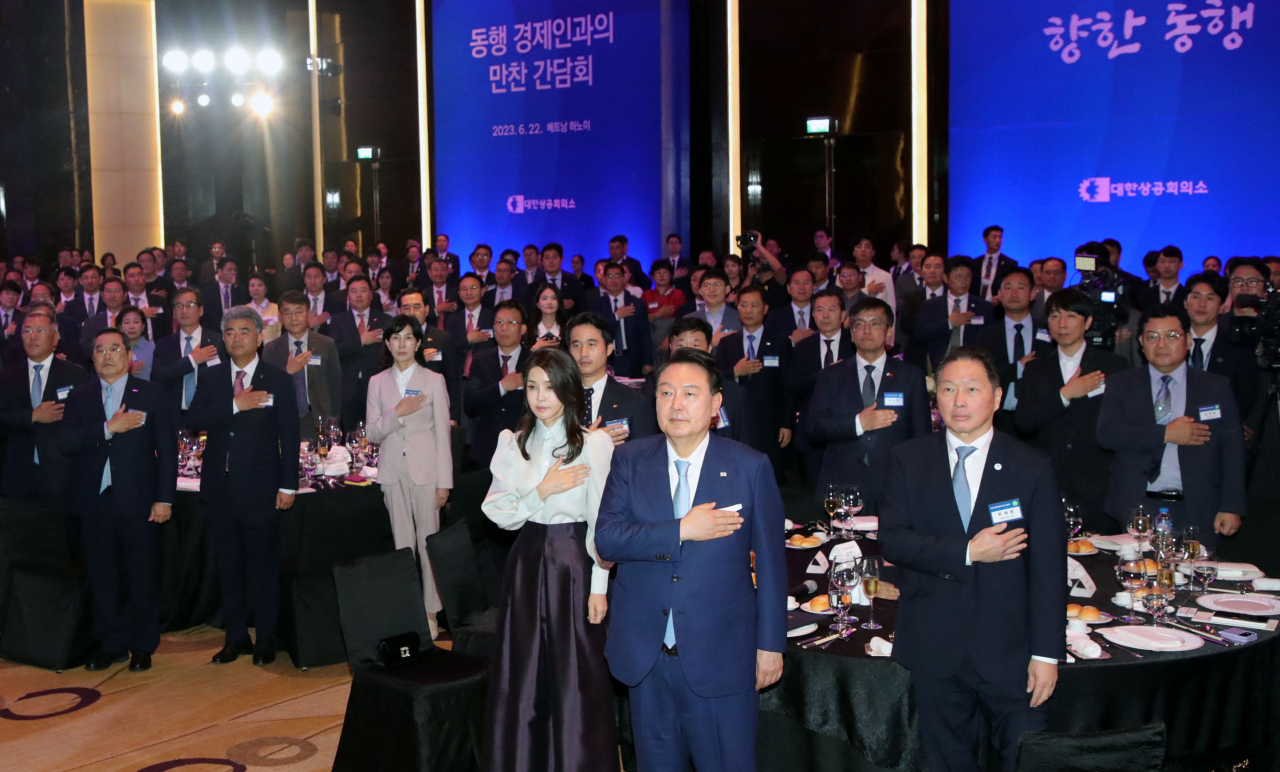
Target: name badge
x,y
894,399
624,423
439,357
213,362
723,423
412,392
142,413
63,392
978,321
314,361
1043,336
271,401
1005,511
771,361
1102,387
653,305
1207,412
268,321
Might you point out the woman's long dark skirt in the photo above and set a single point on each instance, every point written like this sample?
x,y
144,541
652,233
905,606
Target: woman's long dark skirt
x,y
549,688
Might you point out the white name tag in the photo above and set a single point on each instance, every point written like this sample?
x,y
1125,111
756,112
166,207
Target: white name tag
x,y
1207,412
411,392
268,321
63,392
1005,511
978,320
214,362
771,361
314,361
271,401
624,423
893,399
1043,335
142,413
439,357
724,419
1102,387
653,305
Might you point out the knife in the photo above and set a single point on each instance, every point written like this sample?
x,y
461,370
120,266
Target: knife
x,y
1207,636
1239,592
1107,644
820,641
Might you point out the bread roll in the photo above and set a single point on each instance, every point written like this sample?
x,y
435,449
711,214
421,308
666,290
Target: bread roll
x,y
1073,547
812,541
1084,545
819,603
1090,614
1073,610
797,540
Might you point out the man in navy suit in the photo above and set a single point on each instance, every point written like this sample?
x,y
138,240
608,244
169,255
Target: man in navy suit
x,y
223,293
691,637
572,296
119,428
955,319
810,358
681,267
757,359
1211,344
622,412
632,344
990,269
786,320
441,293
182,356
250,472
1177,434
508,284
358,335
471,327
866,405
973,519
438,347
495,389
1165,288
1013,341
618,256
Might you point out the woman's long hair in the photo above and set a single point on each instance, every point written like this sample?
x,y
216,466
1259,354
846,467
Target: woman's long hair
x,y
535,312
566,382
401,322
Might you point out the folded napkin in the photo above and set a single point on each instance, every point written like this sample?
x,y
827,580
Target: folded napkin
x,y
369,472
1076,575
880,647
1235,570
868,523
787,525
1085,646
818,565
1266,584
1145,638
1114,542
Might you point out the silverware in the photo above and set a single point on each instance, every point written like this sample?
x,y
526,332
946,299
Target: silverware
x,y
1109,644
841,636
821,641
1211,637
808,640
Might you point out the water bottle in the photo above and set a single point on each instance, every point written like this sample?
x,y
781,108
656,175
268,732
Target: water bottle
x,y
1164,522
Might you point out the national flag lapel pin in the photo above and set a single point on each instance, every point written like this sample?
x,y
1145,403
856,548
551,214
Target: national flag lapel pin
x,y
724,474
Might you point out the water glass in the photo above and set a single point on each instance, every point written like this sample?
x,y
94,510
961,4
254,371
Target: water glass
x,y
1133,575
844,579
1156,600
852,505
1206,570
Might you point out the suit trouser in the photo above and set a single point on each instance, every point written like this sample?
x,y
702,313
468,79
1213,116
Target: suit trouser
x,y
951,713
116,539
246,546
414,517
672,724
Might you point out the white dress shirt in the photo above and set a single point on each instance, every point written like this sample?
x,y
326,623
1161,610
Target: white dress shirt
x,y
876,273
515,357
714,318
597,395
1206,348
805,312
1068,365
834,344
1170,478
930,294
543,329
694,472
513,496
876,375
402,378
501,293
315,303
951,303
987,275
293,351
44,373
97,302
1028,337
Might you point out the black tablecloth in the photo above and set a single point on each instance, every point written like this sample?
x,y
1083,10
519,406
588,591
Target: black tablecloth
x,y
839,709
318,531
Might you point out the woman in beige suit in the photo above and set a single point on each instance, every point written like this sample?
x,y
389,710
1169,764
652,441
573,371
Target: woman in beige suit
x,y
407,413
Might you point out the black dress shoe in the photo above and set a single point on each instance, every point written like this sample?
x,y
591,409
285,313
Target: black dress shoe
x,y
231,652
101,660
264,653
140,662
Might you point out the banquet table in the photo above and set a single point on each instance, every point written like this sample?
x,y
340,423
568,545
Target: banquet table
x,y
840,709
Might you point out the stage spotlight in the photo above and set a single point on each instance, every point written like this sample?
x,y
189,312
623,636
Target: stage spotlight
x,y
237,100
262,104
237,60
203,100
175,61
269,61
203,61
178,107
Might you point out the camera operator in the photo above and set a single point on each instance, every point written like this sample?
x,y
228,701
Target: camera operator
x,y
769,271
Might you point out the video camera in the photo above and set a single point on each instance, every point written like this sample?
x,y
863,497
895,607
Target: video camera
x,y
1261,332
1106,290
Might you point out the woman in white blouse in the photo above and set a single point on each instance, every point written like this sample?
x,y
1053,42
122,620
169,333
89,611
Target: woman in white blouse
x,y
551,318
407,413
548,661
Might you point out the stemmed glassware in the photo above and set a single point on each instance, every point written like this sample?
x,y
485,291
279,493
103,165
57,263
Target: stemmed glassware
x,y
844,579
1206,569
1133,575
851,505
831,501
1140,525
870,568
1074,520
1157,599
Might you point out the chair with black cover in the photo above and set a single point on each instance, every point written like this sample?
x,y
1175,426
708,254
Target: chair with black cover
x,y
472,618
422,716
47,618
1138,749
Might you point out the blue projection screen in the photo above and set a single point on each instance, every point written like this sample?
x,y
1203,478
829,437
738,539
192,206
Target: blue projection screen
x,y
1150,122
560,120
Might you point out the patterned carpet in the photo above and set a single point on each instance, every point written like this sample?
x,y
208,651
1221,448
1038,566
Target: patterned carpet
x,y
230,717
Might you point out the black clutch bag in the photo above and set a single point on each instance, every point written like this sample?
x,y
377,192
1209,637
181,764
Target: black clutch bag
x,y
398,649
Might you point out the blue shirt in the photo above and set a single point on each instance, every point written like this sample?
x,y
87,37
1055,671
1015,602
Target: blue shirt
x,y
1170,478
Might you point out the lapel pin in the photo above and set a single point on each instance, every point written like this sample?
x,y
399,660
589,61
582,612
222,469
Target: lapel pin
x,y
724,474
998,467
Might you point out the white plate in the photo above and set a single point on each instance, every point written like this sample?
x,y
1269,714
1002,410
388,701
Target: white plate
x,y
1082,554
1249,605
1105,618
1143,637
799,631
805,607
825,538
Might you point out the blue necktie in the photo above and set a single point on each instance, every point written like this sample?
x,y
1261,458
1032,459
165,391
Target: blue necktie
x,y
188,380
300,383
106,470
960,485
751,347
680,504
37,394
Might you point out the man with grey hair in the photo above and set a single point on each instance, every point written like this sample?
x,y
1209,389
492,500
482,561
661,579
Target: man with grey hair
x,y
250,472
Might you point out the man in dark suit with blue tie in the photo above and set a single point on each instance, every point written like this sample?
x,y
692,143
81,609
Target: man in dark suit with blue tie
x,y
859,425
733,420
690,635
757,359
810,358
182,356
972,518
1013,340
358,336
495,389
632,342
119,429
1176,432
249,474
955,318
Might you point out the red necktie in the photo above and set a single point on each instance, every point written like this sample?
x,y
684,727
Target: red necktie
x,y
471,327
506,361
361,327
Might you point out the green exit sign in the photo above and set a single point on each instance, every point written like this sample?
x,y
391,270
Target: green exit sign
x,y
366,153
820,126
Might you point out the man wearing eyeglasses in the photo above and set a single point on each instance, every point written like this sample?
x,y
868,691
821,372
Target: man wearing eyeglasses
x,y
1176,432
182,356
1247,282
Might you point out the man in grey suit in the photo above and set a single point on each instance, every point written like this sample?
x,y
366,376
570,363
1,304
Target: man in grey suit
x,y
722,317
311,361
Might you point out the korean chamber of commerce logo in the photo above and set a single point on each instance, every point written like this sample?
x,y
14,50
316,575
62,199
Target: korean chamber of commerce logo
x,y
1102,190
519,204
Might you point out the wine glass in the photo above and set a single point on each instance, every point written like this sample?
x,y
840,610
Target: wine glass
x,y
1206,569
853,503
870,567
1157,599
1133,575
1074,521
335,431
844,578
1140,525
831,500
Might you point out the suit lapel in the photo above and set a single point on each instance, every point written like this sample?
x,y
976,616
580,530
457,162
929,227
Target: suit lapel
x,y
653,471
992,471
99,414
709,486
938,476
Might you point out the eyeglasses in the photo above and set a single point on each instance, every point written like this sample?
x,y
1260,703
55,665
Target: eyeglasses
x,y
186,306
868,324
103,350
713,284
506,323
1252,282
1173,336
